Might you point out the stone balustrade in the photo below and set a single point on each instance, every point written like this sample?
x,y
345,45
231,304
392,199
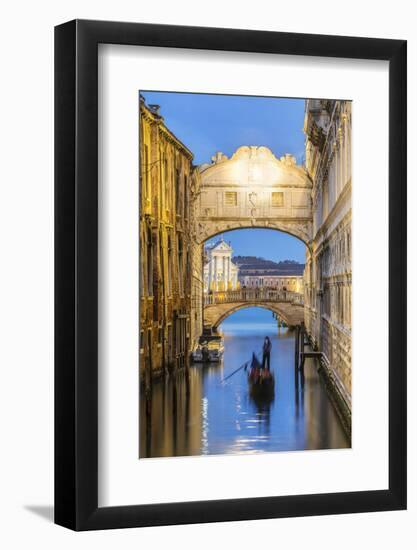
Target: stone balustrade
x,y
253,295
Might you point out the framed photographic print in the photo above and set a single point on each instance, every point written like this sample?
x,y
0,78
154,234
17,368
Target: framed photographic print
x,y
230,275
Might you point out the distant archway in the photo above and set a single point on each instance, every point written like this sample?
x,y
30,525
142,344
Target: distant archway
x,y
291,314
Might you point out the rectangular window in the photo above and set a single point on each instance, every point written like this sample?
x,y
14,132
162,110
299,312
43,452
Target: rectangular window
x,y
277,198
230,198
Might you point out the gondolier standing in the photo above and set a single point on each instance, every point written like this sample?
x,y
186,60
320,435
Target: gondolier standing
x,y
266,353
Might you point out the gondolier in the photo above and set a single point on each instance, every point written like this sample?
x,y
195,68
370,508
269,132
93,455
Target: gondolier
x,y
266,353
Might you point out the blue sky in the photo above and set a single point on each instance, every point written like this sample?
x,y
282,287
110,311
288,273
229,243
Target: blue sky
x,y
208,123
264,243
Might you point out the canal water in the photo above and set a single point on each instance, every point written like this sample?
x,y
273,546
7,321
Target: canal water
x,y
207,416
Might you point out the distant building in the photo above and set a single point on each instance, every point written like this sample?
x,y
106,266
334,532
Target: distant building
x,y
220,273
292,283
258,272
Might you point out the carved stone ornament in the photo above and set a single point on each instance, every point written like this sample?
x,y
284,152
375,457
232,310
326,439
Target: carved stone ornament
x,y
252,198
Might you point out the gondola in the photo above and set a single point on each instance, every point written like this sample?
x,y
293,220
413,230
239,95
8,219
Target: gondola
x,y
209,350
261,381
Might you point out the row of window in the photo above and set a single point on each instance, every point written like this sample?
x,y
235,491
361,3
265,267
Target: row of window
x,y
149,276
277,198
171,179
337,253
337,303
339,173
176,354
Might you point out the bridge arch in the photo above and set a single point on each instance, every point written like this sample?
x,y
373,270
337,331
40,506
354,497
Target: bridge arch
x,y
239,307
292,314
253,189
273,227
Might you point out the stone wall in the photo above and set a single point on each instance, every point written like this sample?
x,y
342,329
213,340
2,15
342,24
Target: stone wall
x,y
196,294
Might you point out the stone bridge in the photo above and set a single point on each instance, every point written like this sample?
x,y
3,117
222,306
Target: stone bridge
x,y
289,306
253,188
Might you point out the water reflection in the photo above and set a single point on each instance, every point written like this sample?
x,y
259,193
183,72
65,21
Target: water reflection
x,y
262,405
202,415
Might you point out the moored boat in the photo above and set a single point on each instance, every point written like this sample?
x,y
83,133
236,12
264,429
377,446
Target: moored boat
x,y
210,351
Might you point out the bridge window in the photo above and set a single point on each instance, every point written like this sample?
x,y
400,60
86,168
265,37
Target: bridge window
x,y
277,198
230,198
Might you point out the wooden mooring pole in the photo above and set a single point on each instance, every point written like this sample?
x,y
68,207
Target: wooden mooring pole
x,y
302,336
297,347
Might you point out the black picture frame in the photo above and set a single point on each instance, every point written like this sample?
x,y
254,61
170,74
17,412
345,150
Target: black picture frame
x,y
76,272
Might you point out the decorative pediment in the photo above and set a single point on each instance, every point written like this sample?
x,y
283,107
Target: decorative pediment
x,y
253,165
221,246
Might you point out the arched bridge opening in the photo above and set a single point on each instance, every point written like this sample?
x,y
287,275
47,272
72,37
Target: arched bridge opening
x,y
288,306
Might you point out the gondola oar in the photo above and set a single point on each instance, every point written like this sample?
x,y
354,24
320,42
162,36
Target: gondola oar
x,y
245,365
235,371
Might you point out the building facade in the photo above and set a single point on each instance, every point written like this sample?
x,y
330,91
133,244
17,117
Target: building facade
x,y
255,272
168,187
220,273
328,271
292,283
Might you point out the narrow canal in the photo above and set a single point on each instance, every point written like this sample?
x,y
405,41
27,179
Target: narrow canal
x,y
223,418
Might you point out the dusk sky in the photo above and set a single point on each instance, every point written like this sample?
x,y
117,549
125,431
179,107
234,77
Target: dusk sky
x,y
264,243
209,123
